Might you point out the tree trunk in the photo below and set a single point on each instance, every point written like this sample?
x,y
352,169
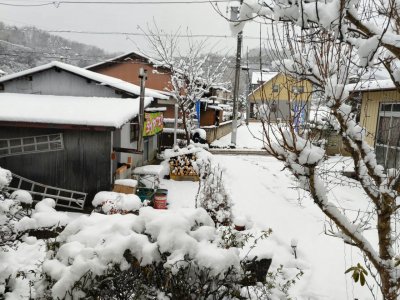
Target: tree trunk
x,y
389,287
185,125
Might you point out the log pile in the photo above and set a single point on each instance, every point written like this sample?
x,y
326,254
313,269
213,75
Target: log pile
x,y
182,167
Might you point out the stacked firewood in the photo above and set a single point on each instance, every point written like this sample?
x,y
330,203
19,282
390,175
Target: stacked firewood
x,y
183,165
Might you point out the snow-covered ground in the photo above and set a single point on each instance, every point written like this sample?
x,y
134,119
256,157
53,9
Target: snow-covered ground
x,y
247,137
266,194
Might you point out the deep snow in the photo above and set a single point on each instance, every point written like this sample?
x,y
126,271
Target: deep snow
x,y
266,194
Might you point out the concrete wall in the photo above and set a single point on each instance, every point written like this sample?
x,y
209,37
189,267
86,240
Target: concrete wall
x,y
214,133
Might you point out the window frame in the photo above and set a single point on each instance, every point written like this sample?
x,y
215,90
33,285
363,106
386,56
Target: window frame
x,y
387,110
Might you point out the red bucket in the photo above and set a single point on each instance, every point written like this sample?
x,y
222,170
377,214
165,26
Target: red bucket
x,y
160,199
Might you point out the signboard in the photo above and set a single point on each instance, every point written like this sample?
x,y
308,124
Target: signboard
x,y
153,123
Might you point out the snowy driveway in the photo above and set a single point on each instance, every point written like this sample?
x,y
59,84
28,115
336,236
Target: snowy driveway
x,y
265,193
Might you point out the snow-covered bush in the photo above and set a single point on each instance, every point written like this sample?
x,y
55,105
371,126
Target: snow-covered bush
x,y
5,178
128,252
212,195
21,254
116,203
13,209
177,241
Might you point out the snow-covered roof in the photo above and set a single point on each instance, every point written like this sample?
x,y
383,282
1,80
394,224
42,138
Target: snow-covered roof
x,y
260,77
214,107
156,109
206,100
129,56
386,84
149,170
2,72
125,56
67,110
100,78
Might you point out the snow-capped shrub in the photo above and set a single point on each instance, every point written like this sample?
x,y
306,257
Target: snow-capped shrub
x,y
174,239
22,196
212,195
116,203
21,255
5,178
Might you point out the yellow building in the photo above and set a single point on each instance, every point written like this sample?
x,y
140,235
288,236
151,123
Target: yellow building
x,y
380,116
285,96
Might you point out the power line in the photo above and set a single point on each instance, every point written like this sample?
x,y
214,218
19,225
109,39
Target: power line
x,y
82,58
58,3
127,33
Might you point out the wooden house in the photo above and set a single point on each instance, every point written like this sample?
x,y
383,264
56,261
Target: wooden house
x,y
380,116
285,96
62,79
126,67
82,93
65,143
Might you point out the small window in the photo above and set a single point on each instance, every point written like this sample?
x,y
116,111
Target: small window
x,y
275,88
1,87
273,107
297,89
396,107
386,107
134,132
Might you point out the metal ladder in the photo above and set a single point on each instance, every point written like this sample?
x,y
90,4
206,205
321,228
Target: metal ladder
x,y
63,197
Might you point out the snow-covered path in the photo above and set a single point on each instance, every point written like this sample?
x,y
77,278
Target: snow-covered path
x,y
265,193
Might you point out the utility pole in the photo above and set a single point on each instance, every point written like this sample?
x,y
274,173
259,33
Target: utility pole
x,y
143,77
235,17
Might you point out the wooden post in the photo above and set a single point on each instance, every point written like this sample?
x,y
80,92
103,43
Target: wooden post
x,y
143,77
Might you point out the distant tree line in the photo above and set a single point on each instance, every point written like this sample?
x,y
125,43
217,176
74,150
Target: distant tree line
x,y
26,47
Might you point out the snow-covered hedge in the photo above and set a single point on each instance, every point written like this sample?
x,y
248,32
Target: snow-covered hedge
x,y
112,202
96,242
164,254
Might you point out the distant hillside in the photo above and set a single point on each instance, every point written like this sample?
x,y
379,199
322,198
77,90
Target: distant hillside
x,y
26,47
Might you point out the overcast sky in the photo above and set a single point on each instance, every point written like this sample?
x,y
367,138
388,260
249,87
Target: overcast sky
x,y
198,18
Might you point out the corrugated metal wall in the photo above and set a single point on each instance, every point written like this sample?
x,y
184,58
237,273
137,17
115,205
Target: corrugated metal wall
x,y
84,164
52,82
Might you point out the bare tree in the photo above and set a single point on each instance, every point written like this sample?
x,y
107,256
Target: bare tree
x,y
327,43
192,74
